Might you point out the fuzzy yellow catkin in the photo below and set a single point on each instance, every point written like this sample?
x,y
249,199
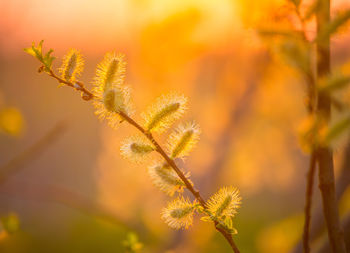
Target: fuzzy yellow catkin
x,y
111,96
136,147
179,213
164,112
165,178
183,139
114,100
110,72
225,202
72,66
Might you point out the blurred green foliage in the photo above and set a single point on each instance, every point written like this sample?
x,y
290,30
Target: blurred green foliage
x,y
11,121
10,223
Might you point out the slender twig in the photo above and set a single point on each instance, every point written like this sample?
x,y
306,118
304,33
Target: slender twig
x,y
310,105
325,154
325,248
161,151
302,22
329,200
15,164
312,166
317,226
86,94
308,202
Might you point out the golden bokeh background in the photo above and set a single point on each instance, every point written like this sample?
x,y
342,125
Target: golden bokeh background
x,y
78,195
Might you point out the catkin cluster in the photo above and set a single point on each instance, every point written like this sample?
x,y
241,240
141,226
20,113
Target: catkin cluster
x,y
111,99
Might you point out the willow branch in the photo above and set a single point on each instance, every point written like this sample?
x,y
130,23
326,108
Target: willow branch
x,y
325,154
80,87
86,94
181,175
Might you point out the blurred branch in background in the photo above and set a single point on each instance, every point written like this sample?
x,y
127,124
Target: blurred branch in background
x,y
49,193
325,154
237,111
18,162
68,198
317,226
299,54
223,144
325,248
308,201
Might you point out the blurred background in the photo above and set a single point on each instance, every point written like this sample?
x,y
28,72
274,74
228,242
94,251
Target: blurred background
x,y
69,190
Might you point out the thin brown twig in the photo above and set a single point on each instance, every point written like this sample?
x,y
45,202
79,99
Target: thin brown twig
x,y
302,22
310,105
316,228
86,94
329,200
308,202
161,151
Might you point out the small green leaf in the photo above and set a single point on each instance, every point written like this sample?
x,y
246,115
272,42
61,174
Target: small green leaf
x,y
37,52
40,46
228,222
333,83
30,51
337,104
48,60
273,32
47,55
297,54
10,223
334,25
48,64
312,9
233,231
132,243
336,130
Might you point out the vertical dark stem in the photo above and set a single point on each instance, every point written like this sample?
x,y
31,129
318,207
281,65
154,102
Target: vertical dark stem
x,y
330,204
325,154
310,106
308,202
